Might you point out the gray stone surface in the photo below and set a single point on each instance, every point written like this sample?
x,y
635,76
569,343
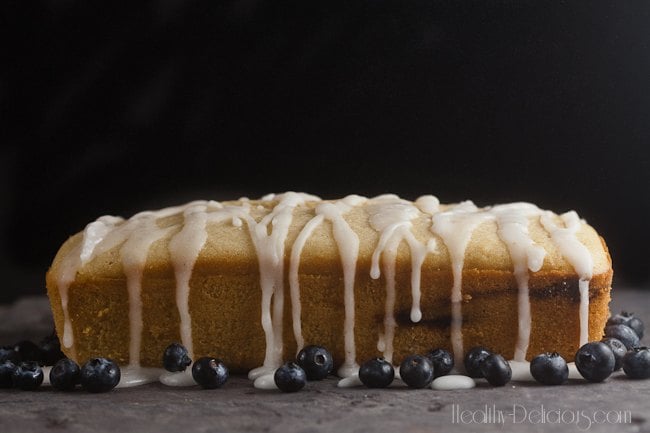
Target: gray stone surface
x,y
322,407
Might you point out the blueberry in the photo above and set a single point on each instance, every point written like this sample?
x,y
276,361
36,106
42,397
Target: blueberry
x,y
619,319
623,333
473,360
442,362
100,375
50,348
65,375
416,371
290,377
28,351
316,361
618,349
7,369
28,376
376,373
209,372
636,363
7,353
176,358
496,370
595,361
549,369
637,326
628,319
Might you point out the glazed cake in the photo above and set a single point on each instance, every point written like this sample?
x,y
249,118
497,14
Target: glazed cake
x,y
253,281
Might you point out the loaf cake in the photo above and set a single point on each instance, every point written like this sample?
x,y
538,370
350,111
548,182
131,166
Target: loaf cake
x,y
253,281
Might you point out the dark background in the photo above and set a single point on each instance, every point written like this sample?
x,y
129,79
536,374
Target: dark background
x,y
117,110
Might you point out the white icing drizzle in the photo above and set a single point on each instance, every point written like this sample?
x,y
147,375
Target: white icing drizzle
x,y
184,249
347,242
294,283
391,217
67,274
512,220
134,254
577,254
72,263
455,226
270,253
385,342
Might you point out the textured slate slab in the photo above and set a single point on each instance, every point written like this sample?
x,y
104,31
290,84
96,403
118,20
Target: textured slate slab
x,y
323,407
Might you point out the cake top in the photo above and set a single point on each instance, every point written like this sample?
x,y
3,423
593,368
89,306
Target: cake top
x,y
482,234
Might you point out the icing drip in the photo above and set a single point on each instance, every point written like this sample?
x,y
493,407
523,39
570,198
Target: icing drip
x,y
69,267
347,242
184,249
512,220
294,283
577,254
455,226
385,344
391,217
134,254
92,235
270,253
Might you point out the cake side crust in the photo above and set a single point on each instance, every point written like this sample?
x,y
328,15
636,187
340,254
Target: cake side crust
x,y
226,316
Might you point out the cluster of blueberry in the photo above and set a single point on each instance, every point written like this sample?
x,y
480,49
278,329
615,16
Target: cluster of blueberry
x,y
312,363
481,362
597,360
416,371
21,367
96,375
209,372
